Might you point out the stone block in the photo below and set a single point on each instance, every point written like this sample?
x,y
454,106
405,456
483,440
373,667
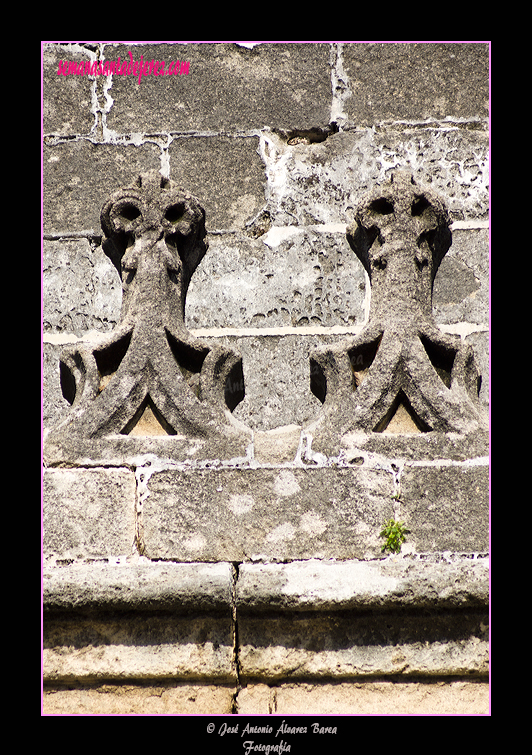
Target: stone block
x,y
394,81
163,698
138,585
232,189
322,182
277,383
308,278
461,697
138,646
88,513
273,514
299,646
395,582
81,288
78,176
446,508
461,287
67,100
138,620
228,88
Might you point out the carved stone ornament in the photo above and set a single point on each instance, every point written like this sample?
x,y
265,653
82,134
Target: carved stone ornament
x,y
151,387
401,375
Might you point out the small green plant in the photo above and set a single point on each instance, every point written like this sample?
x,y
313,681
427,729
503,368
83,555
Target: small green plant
x,y
394,532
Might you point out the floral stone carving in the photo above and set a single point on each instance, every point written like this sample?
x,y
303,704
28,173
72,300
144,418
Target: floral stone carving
x,y
151,387
401,374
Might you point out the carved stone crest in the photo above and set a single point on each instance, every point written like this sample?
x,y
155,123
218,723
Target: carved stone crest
x,y
401,374
151,386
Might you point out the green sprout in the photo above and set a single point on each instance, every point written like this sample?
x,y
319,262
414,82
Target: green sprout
x,y
394,532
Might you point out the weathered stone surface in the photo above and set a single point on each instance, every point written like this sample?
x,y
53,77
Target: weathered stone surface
x,y
469,697
461,288
347,644
66,106
232,190
276,514
228,88
321,183
138,620
446,507
81,289
415,81
141,586
88,513
301,277
148,645
140,699
393,583
79,174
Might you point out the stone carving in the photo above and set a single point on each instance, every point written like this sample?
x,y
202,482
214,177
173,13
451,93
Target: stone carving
x,y
401,374
151,381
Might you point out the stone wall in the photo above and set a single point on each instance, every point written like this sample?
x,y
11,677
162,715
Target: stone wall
x,y
259,578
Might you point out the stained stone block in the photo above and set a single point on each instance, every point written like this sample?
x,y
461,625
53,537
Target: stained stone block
x,y
429,697
303,646
79,174
233,188
394,81
446,508
322,182
81,289
138,621
138,646
274,514
461,287
308,278
88,513
67,100
162,698
332,620
228,88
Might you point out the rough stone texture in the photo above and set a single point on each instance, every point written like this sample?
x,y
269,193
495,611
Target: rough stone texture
x,y
78,176
138,646
309,277
302,646
141,586
273,514
66,109
82,290
446,508
233,187
143,700
415,81
88,513
320,183
395,582
280,85
395,617
367,698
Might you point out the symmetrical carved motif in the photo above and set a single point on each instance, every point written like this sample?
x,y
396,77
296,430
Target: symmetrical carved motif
x,y
151,377
401,374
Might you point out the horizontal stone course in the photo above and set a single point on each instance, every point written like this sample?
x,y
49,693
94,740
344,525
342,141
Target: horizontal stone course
x,y
144,620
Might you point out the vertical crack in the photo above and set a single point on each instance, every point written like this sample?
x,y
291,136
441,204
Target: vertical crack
x,y
236,660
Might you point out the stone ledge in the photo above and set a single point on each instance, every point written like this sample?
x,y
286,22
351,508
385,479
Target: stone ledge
x,y
392,583
144,586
